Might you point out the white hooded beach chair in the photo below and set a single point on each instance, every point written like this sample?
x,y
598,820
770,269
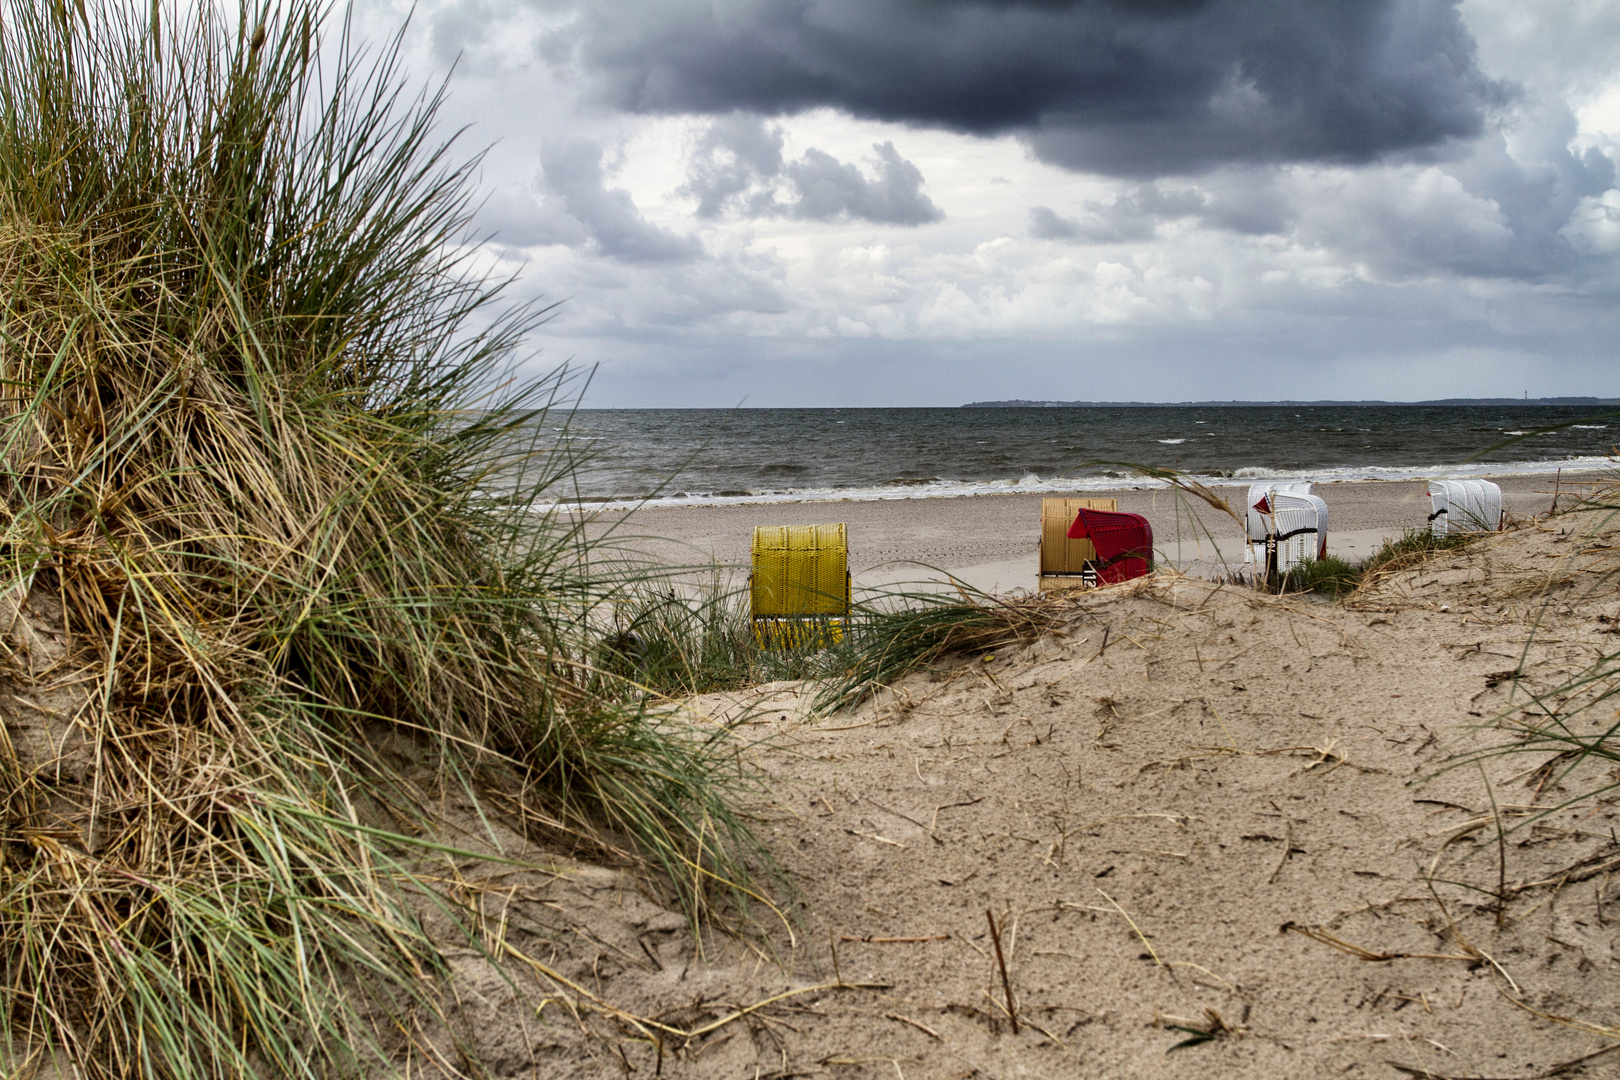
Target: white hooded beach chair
x,y
1285,528
1464,506
1259,525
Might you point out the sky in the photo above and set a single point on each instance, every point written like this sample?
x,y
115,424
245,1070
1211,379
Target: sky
x,y
930,202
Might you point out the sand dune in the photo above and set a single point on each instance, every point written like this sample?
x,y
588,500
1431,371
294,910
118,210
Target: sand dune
x,y
1196,807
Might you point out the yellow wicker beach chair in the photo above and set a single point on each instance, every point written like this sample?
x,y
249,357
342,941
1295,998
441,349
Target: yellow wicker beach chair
x,y
1063,561
800,588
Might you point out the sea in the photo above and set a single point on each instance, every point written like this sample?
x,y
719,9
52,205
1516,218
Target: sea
x,y
685,457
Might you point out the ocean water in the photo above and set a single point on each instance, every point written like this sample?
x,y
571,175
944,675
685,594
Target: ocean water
x,y
694,456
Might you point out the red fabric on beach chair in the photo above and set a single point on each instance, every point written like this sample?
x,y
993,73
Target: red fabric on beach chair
x,y
1124,543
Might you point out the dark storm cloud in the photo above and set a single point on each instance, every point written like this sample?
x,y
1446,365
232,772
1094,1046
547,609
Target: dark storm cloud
x,y
738,166
1127,88
607,217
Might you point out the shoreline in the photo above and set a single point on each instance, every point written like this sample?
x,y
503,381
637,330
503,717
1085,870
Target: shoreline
x,y
990,541
1504,474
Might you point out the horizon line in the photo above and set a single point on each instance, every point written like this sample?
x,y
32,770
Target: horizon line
x,y
1027,403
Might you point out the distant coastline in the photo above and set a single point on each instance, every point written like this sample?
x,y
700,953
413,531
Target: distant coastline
x,y
1021,403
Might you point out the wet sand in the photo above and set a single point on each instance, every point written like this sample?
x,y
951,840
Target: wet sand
x,y
990,540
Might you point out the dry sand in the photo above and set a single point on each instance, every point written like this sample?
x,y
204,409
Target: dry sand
x,y
1197,807
990,541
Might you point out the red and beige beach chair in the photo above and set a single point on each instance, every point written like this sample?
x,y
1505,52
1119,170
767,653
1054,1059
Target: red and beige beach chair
x,y
1294,528
1123,542
1464,506
799,591
1066,563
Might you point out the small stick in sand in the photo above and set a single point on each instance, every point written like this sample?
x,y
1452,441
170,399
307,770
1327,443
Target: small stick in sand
x,y
1001,962
948,806
1153,953
1501,851
924,1028
1288,848
870,940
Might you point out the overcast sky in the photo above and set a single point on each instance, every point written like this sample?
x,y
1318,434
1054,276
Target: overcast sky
x,y
928,202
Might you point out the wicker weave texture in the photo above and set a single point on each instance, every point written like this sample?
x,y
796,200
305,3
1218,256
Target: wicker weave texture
x,y
800,570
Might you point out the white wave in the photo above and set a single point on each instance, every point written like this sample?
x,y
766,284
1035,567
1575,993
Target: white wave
x,y
1589,427
1122,481
1172,442
1515,433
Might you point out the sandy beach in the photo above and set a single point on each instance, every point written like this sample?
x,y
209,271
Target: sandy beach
x,y
989,541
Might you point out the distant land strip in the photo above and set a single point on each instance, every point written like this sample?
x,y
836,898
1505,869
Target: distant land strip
x,y
1020,403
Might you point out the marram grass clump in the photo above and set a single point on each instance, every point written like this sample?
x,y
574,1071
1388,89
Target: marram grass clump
x,y
254,424
1335,577
677,638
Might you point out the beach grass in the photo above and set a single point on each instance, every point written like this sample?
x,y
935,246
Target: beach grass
x,y
901,631
1569,721
1337,578
279,563
1330,576
1412,547
675,637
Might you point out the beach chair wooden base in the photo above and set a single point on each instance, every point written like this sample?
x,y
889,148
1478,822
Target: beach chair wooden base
x,y
804,632
1065,582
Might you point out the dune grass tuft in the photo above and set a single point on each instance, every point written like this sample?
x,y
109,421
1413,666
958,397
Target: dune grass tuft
x,y
1336,577
1411,548
676,637
1331,576
905,630
276,565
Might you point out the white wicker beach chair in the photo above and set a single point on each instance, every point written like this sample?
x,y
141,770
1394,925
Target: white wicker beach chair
x,y
1464,506
1294,529
1257,523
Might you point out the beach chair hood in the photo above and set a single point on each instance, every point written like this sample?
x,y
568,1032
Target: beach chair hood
x,y
1285,528
1124,543
1257,512
1464,506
